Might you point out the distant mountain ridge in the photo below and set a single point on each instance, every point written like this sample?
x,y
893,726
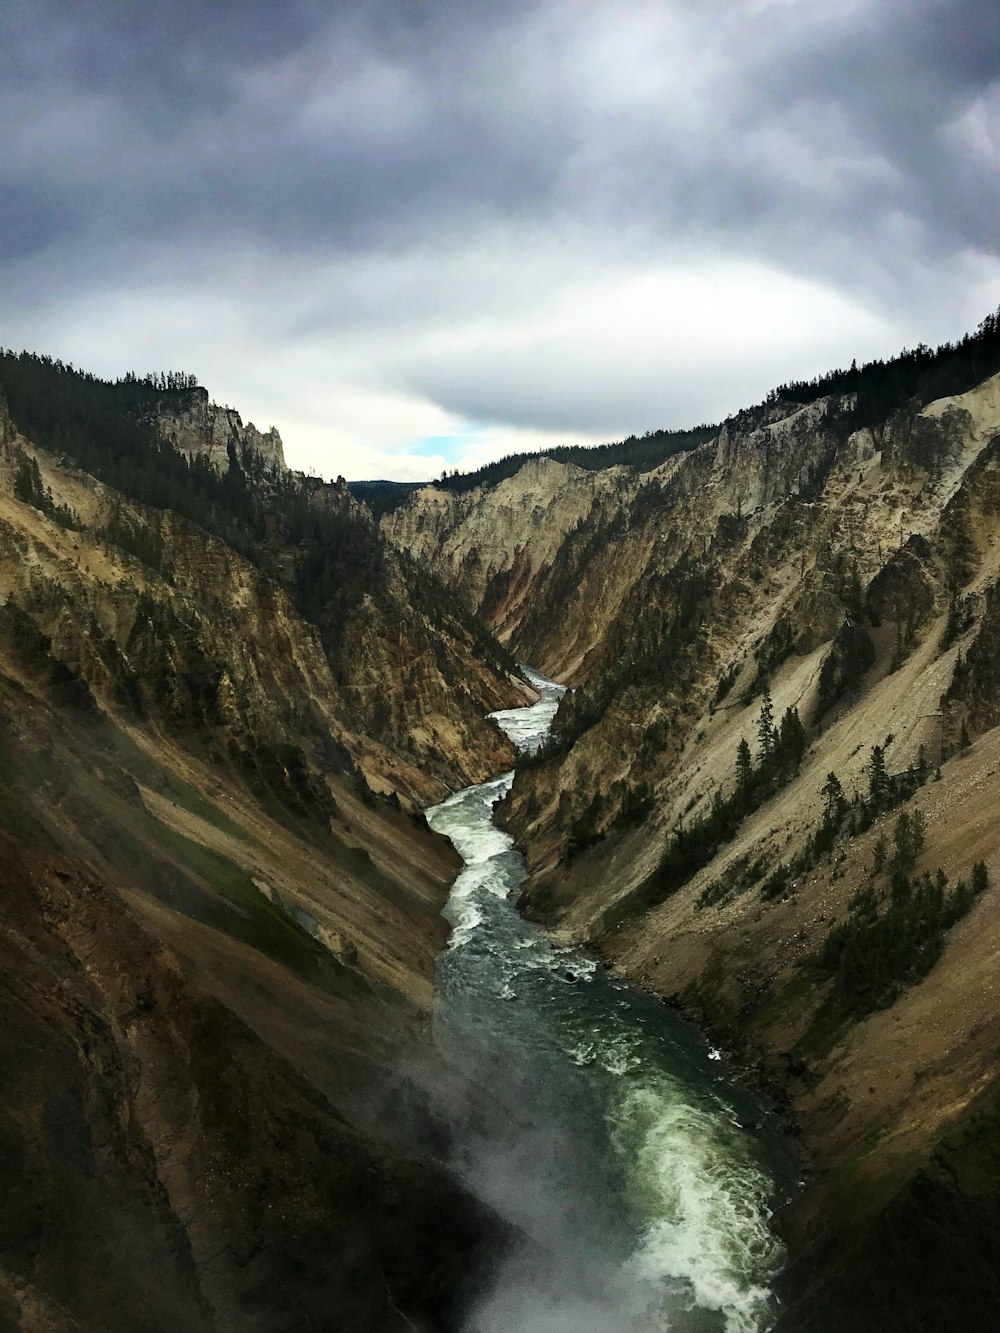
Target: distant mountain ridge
x,y
642,452
877,389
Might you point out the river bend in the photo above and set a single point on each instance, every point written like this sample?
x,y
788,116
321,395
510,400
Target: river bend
x,y
645,1178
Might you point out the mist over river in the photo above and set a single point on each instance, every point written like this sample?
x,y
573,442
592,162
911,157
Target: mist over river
x,y
645,1179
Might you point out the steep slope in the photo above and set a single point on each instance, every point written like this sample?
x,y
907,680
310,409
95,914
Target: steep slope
x,y
496,546
221,908
164,1168
821,581
272,556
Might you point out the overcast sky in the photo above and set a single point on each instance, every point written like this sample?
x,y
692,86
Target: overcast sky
x,y
413,234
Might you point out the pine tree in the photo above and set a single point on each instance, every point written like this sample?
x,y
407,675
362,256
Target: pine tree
x,y
834,794
791,743
744,766
908,837
963,740
878,779
766,734
28,485
959,677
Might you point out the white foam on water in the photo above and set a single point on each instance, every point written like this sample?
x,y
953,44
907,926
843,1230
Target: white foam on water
x,y
528,727
698,1222
464,923
466,817
462,909
708,1235
583,1054
618,1058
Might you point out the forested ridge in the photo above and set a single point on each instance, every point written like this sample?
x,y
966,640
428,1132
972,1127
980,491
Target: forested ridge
x,y
305,533
641,452
916,376
108,428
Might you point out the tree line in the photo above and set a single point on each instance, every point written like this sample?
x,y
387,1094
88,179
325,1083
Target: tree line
x,y
920,374
780,748
108,428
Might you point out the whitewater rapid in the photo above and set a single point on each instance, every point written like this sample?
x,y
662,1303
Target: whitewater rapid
x,y
645,1181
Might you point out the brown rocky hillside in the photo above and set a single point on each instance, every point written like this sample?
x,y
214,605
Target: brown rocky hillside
x,y
221,905
850,573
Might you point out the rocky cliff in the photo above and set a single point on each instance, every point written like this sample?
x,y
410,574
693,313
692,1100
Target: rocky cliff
x,y
819,580
218,715
495,545
199,428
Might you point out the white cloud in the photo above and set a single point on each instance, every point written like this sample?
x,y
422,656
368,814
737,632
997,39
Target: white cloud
x,y
976,130
358,363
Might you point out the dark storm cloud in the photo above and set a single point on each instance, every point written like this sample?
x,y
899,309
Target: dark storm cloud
x,y
856,144
273,120
905,74
390,120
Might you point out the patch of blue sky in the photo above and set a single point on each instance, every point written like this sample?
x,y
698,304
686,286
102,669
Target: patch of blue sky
x,y
451,448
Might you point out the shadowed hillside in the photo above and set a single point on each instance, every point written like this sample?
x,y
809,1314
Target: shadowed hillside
x,y
222,699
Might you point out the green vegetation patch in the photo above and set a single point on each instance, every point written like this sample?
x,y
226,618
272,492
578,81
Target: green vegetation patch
x,y
258,923
690,848
29,488
887,944
880,388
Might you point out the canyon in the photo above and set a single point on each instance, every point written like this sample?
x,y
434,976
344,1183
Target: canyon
x,y
221,903
227,693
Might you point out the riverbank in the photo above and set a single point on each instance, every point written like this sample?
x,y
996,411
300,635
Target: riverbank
x,y
879,1101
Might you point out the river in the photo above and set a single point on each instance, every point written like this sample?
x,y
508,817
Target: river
x,y
644,1178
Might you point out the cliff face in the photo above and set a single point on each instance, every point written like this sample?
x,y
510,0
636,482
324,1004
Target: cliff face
x,y
851,574
152,611
199,428
222,908
166,1168
495,547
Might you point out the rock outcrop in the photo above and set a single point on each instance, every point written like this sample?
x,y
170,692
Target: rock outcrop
x,y
199,428
494,546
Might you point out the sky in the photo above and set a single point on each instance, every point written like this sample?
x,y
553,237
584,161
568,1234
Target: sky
x,y
418,234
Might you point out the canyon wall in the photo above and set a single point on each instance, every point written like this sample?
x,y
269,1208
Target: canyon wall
x,y
848,574
222,905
